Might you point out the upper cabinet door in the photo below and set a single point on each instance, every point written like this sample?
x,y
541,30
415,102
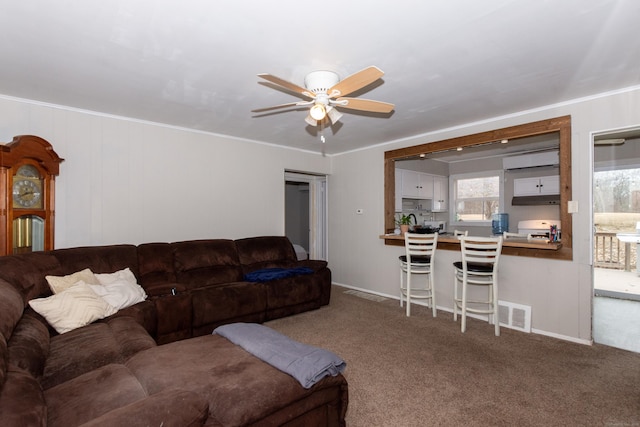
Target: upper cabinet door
x,y
550,184
416,185
440,194
537,186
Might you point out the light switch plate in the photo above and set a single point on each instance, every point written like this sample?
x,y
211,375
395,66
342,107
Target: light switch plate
x,y
572,206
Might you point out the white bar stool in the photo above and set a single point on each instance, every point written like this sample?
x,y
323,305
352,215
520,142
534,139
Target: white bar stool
x,y
479,267
420,251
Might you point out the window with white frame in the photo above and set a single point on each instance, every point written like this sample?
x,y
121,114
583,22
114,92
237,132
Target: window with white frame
x,y
476,197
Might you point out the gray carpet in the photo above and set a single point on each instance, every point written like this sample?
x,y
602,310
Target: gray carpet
x,y
421,371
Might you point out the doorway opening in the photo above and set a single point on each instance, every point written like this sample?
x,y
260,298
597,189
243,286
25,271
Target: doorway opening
x,y
616,226
306,214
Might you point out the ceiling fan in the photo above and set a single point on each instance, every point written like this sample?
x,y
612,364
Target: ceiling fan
x,y
325,92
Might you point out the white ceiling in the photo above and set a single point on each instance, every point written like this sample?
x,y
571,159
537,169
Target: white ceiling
x,y
193,63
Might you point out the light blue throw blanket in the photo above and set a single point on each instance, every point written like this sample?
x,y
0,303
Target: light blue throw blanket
x,y
305,363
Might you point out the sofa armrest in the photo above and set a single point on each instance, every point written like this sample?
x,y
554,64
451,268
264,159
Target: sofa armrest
x,y
169,408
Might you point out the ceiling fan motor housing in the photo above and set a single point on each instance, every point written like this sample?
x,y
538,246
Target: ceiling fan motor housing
x,y
321,81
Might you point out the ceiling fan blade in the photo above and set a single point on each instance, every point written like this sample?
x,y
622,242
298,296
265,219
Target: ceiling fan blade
x,y
287,85
290,104
364,105
356,81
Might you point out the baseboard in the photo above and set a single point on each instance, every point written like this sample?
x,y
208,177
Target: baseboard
x,y
450,310
562,337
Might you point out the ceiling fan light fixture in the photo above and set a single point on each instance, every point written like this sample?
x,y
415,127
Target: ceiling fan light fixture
x,y
334,115
318,111
310,120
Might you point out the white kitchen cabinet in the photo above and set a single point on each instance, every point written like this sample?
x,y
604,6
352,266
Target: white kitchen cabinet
x,y
416,185
538,186
440,194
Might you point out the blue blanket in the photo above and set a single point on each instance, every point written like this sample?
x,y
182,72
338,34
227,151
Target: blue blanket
x,y
305,363
269,274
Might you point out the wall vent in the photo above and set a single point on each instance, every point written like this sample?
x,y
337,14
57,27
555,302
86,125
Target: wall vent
x,y
514,316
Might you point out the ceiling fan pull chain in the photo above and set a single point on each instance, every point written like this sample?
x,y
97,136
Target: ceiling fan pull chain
x,y
321,131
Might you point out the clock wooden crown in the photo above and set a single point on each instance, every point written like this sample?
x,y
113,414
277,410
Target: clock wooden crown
x,y
28,167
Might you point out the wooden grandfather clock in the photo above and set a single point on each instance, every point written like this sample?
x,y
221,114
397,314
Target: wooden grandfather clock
x,y
28,167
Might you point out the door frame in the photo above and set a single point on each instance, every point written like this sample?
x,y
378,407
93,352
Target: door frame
x,y
318,211
593,135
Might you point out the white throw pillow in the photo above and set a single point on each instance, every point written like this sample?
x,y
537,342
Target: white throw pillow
x,y
119,276
61,283
72,308
120,294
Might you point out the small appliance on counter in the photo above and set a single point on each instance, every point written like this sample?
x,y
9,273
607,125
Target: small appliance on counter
x,y
540,228
439,226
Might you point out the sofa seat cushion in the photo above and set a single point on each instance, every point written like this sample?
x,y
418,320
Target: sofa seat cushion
x,y
292,291
22,402
215,305
240,388
92,346
144,313
167,408
91,395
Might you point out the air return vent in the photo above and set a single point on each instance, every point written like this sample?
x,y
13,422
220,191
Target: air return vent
x,y
514,316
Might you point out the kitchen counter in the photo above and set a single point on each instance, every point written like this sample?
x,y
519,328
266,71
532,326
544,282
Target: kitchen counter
x,y
448,241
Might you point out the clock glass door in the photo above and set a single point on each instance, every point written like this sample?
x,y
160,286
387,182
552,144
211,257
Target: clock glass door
x,y
27,188
28,234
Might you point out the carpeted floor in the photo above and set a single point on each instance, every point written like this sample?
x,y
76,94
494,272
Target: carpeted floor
x,y
421,371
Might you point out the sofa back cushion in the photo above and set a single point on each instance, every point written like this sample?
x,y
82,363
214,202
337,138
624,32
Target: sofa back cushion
x,y
26,273
100,259
206,262
256,253
155,264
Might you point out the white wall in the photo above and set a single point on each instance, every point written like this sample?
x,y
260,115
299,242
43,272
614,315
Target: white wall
x,y
559,292
124,181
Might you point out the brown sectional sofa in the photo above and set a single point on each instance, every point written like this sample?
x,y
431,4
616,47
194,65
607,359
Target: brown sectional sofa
x,y
156,362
